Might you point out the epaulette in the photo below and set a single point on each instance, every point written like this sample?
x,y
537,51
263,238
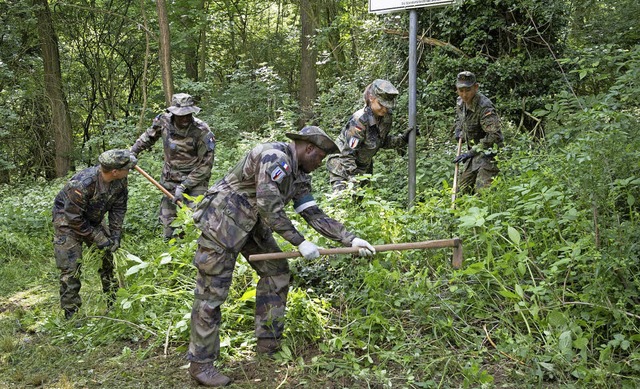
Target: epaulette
x,y
280,146
88,181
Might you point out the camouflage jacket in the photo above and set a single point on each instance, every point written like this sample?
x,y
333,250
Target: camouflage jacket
x,y
359,141
188,154
82,203
479,123
257,190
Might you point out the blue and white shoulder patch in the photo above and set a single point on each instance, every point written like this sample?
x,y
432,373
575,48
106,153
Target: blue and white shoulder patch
x,y
211,142
280,171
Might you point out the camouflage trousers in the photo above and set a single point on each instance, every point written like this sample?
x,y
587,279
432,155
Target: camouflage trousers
x,y
341,173
215,270
168,210
478,175
68,253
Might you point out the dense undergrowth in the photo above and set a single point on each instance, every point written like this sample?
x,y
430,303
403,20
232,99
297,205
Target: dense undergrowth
x,y
547,297
541,300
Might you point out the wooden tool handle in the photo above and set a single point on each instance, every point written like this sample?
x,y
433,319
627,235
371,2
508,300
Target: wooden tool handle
x,y
456,243
157,184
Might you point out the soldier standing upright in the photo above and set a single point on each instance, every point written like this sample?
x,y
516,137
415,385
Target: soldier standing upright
x,y
366,132
188,145
478,124
78,213
238,215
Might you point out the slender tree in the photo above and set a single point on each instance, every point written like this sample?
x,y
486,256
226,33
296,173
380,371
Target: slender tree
x,y
60,118
193,35
143,86
308,71
165,51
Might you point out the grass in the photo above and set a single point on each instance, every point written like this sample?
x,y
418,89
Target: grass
x,y
406,321
38,348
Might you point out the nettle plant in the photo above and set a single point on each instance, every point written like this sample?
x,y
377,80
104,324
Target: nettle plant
x,y
564,294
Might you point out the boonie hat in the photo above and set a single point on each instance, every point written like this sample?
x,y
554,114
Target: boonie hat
x,y
117,159
182,104
315,135
465,79
385,92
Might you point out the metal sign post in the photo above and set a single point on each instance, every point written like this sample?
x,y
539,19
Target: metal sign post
x,y
385,6
413,74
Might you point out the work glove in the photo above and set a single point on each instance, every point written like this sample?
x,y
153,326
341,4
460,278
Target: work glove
x,y
178,196
101,240
308,250
463,157
115,238
366,250
458,133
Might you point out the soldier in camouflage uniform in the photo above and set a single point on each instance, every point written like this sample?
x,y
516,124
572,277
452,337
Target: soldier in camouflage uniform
x,y
367,131
478,124
78,212
188,154
238,215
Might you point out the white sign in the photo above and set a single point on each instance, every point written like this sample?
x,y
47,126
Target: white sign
x,y
383,6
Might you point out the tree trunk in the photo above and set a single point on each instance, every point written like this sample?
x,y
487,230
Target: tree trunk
x,y
60,118
195,29
308,71
332,13
143,86
165,51
202,52
191,63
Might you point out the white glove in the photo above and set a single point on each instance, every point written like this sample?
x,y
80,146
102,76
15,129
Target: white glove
x,y
366,249
308,250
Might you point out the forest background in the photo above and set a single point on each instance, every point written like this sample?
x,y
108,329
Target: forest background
x,y
547,297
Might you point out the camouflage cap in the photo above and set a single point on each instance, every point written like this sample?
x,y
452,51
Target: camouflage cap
x,y
117,159
465,79
385,92
182,104
316,136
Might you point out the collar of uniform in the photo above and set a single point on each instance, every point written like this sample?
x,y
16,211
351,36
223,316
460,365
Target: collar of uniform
x,y
474,103
174,130
294,158
101,186
372,119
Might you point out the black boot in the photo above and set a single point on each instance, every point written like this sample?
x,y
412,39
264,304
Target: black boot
x,y
207,375
167,233
69,312
268,346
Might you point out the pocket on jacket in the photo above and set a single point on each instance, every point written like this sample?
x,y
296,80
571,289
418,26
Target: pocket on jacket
x,y
228,221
